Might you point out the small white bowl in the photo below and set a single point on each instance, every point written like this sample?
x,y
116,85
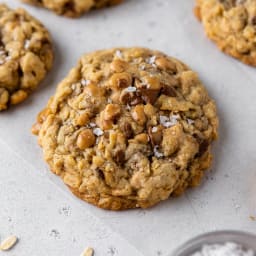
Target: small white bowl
x,y
247,240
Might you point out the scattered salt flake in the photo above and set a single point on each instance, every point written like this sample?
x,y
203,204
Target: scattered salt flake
x,y
27,44
157,153
131,89
73,86
119,54
154,129
85,82
8,243
190,121
92,124
87,252
98,131
109,100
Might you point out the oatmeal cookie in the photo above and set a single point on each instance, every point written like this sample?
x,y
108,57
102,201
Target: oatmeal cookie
x,y
128,128
25,55
72,8
231,24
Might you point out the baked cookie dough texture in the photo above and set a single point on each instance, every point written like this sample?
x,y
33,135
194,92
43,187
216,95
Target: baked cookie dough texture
x,y
25,55
231,24
128,128
72,8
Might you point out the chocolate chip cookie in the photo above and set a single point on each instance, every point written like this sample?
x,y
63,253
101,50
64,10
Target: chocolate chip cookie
x,y
231,24
128,128
25,55
72,8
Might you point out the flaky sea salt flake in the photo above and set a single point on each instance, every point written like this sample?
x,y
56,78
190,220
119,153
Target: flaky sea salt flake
x,y
119,54
98,132
131,89
27,44
190,121
154,129
85,82
152,60
157,153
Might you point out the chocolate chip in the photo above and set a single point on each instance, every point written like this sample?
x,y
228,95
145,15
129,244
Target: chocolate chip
x,y
169,91
203,146
119,156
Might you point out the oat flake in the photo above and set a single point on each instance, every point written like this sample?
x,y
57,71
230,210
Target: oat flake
x,y
8,243
88,252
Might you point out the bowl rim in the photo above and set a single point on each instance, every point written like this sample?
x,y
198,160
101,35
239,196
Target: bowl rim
x,y
202,237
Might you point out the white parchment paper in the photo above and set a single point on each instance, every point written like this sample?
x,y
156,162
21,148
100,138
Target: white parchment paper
x,y
227,197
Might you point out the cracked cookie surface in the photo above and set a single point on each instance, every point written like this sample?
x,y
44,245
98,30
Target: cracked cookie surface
x,y
128,128
72,8
231,24
25,55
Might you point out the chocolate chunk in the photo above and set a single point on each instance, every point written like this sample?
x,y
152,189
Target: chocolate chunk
x,y
203,146
100,173
127,129
136,100
125,97
169,91
254,21
149,96
155,137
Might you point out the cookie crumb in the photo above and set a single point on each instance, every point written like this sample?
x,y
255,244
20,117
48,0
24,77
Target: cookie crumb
x,y
65,210
8,243
253,218
55,234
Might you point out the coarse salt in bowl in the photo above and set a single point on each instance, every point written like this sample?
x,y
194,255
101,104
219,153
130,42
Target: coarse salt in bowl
x,y
219,243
